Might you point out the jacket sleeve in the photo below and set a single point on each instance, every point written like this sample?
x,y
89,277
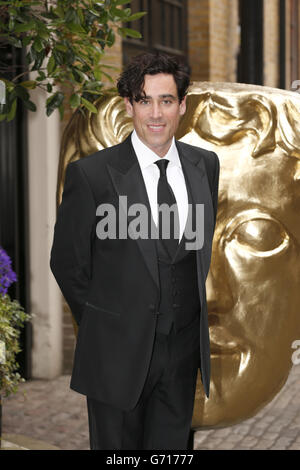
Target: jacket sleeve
x,y
215,187
72,244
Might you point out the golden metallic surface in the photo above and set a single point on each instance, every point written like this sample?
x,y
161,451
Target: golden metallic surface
x,y
253,287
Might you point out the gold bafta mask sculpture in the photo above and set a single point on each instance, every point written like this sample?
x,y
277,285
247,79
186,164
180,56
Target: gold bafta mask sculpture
x,y
253,286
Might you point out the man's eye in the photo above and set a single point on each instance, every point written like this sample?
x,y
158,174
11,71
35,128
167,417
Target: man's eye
x,y
144,102
167,101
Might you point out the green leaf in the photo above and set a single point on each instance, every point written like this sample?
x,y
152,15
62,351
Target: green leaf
x,y
51,15
75,28
11,23
80,17
129,32
43,33
29,105
14,41
136,16
58,56
97,73
42,76
59,11
38,57
69,56
110,38
12,111
22,93
122,2
39,60
54,102
71,16
30,84
51,65
89,105
61,47
75,100
38,44
78,75
103,18
118,12
26,40
90,17
92,85
22,27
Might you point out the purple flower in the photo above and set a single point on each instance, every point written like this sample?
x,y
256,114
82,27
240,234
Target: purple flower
x,y
7,275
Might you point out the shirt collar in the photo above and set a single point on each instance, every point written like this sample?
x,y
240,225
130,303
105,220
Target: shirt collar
x,y
147,157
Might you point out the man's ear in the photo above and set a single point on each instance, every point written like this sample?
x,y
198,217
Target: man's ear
x,y
182,106
128,106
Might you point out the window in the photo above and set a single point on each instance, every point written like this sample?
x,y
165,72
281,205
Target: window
x,y
164,28
250,58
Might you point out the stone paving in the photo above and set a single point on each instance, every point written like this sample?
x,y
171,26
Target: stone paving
x,y
49,411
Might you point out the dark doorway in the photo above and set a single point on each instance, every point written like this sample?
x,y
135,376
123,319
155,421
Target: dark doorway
x,y
164,29
14,202
250,58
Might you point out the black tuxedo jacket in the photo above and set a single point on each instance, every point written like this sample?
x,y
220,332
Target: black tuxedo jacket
x,y
112,285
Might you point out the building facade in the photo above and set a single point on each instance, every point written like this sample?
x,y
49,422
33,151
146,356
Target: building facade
x,y
247,41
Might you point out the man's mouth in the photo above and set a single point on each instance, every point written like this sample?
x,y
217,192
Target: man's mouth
x,y
156,127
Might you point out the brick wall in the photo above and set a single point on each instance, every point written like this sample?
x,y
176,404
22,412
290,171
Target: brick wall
x,y
198,39
224,43
213,38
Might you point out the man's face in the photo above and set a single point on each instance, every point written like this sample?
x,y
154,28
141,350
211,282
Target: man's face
x,y
156,116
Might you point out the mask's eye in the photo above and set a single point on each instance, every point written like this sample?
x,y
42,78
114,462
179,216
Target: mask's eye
x,y
262,235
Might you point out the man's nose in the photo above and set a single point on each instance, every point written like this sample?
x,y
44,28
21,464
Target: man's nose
x,y
156,111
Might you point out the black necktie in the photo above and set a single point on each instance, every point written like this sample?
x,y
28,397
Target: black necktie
x,y
168,221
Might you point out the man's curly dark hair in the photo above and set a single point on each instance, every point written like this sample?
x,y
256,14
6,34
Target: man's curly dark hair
x,y
131,81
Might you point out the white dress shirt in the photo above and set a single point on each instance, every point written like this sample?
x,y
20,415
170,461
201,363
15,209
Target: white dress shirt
x,y
150,171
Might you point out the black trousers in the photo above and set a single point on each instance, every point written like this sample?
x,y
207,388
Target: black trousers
x,y
162,417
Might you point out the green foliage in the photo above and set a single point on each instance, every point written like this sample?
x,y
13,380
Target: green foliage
x,y
12,319
65,42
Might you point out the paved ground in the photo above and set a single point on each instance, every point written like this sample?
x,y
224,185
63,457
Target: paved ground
x,y
50,412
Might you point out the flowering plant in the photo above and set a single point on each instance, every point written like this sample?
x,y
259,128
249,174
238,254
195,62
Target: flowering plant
x,y
12,319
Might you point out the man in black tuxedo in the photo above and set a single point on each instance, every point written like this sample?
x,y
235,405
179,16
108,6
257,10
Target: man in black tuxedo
x,y
139,297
